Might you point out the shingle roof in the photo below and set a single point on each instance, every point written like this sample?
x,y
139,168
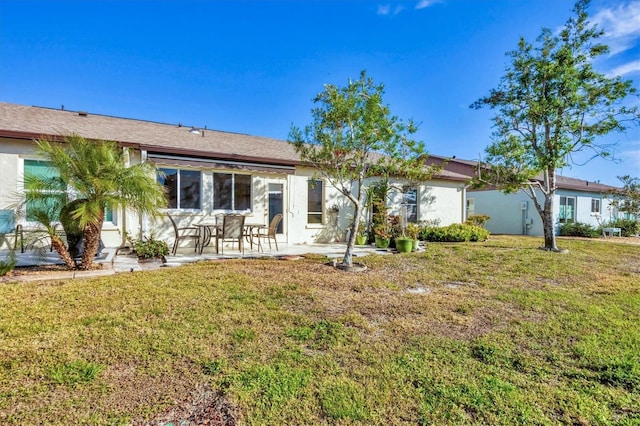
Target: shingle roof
x,y
467,167
33,122
25,122
566,182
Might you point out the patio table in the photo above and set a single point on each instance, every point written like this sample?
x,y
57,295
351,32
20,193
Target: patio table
x,y
206,231
209,230
248,231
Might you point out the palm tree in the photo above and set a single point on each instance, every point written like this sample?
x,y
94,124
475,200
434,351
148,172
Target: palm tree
x,y
98,176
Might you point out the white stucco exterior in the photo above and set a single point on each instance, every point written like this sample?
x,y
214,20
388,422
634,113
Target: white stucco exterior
x,y
438,200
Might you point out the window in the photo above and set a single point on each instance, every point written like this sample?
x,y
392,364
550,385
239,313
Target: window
x,y
182,188
48,204
231,191
109,215
595,205
471,206
314,202
567,213
410,201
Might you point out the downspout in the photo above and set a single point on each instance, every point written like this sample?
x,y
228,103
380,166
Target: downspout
x,y
464,202
142,217
123,211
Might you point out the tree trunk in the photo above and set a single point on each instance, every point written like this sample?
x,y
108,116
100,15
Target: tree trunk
x,y
92,234
348,254
548,224
61,249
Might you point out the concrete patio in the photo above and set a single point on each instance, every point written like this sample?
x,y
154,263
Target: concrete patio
x,y
122,261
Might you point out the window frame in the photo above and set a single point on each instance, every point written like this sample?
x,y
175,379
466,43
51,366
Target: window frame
x,y
597,202
406,204
562,212
233,192
179,189
470,206
315,213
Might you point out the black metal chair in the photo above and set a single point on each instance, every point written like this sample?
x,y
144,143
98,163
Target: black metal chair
x,y
184,233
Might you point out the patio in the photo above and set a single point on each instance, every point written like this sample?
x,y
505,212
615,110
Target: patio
x,y
121,261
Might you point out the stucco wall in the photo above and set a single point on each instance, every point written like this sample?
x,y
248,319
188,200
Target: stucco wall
x,y
438,200
509,212
443,201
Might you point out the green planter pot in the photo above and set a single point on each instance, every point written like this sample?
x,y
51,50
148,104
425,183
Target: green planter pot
x,y
404,245
361,240
416,244
382,242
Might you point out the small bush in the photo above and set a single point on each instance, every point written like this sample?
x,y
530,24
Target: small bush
x,y
578,229
629,227
477,220
456,232
149,247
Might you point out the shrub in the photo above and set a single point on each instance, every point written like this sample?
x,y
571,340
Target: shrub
x,y
578,229
456,232
477,220
629,227
149,247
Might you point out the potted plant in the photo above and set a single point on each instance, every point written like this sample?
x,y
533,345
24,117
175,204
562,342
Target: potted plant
x,y
412,232
149,248
382,235
361,235
404,244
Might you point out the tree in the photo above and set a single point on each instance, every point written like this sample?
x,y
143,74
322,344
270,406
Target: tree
x,y
551,104
627,199
95,175
353,137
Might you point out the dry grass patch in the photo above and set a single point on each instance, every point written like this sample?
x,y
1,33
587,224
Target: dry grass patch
x,y
490,333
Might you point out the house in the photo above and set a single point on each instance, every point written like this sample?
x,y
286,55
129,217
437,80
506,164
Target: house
x,y
206,172
575,200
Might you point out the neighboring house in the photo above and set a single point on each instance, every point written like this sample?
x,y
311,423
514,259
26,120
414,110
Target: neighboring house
x,y
575,200
207,172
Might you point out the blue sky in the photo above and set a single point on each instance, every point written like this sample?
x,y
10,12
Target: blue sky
x,y
254,66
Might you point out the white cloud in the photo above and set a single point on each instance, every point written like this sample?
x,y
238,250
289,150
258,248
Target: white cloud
x,y
621,25
628,68
399,8
426,3
384,9
388,9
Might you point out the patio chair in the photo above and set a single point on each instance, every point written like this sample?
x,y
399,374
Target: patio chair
x,y
268,233
184,233
232,230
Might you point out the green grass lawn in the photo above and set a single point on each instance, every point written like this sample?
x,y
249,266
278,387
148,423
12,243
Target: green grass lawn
x,y
481,333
